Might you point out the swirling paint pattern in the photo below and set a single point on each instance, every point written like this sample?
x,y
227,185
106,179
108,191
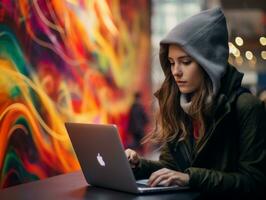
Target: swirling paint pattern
x,y
63,61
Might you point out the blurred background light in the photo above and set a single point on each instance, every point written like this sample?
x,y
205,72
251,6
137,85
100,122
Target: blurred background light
x,y
249,55
239,41
263,41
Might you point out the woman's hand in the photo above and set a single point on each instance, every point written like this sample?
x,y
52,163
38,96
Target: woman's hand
x,y
132,157
167,177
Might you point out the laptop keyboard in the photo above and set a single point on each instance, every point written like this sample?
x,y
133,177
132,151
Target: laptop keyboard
x,y
144,184
147,186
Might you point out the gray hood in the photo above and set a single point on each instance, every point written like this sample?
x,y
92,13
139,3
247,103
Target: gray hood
x,y
204,37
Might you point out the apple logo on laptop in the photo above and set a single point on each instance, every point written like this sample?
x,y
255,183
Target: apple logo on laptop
x,y
100,160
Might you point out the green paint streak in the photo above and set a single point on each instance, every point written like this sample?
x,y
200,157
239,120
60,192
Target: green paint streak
x,y
10,49
12,161
15,92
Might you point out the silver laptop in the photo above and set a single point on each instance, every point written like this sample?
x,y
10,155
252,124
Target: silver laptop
x,y
103,161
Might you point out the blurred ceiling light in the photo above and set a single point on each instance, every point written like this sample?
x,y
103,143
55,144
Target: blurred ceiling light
x,y
239,41
233,50
237,53
263,55
231,47
249,55
263,41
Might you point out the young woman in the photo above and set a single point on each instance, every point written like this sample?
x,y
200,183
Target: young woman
x,y
212,132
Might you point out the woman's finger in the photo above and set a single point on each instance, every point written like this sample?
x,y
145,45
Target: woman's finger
x,y
156,174
132,157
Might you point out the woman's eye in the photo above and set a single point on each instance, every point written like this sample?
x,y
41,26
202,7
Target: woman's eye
x,y
172,64
187,62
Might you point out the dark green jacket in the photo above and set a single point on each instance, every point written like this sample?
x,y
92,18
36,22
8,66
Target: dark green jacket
x,y
232,156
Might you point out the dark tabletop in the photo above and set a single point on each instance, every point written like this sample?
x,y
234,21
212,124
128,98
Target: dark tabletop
x,y
73,186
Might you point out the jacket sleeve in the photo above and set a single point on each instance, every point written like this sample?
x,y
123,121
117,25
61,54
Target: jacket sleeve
x,y
147,167
250,176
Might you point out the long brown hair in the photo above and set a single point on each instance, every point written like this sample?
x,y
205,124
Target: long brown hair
x,y
171,120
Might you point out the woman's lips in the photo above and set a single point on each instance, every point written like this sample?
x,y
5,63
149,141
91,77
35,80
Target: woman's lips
x,y
181,83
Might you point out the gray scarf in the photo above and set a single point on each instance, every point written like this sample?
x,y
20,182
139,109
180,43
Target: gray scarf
x,y
186,104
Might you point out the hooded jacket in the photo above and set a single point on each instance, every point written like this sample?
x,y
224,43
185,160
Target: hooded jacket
x,y
231,158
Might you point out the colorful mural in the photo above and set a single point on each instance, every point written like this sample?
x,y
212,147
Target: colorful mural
x,y
67,60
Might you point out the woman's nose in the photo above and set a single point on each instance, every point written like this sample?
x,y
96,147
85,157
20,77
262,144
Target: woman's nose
x,y
176,70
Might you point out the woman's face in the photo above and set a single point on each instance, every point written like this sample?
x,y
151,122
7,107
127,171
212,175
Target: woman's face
x,y
187,73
